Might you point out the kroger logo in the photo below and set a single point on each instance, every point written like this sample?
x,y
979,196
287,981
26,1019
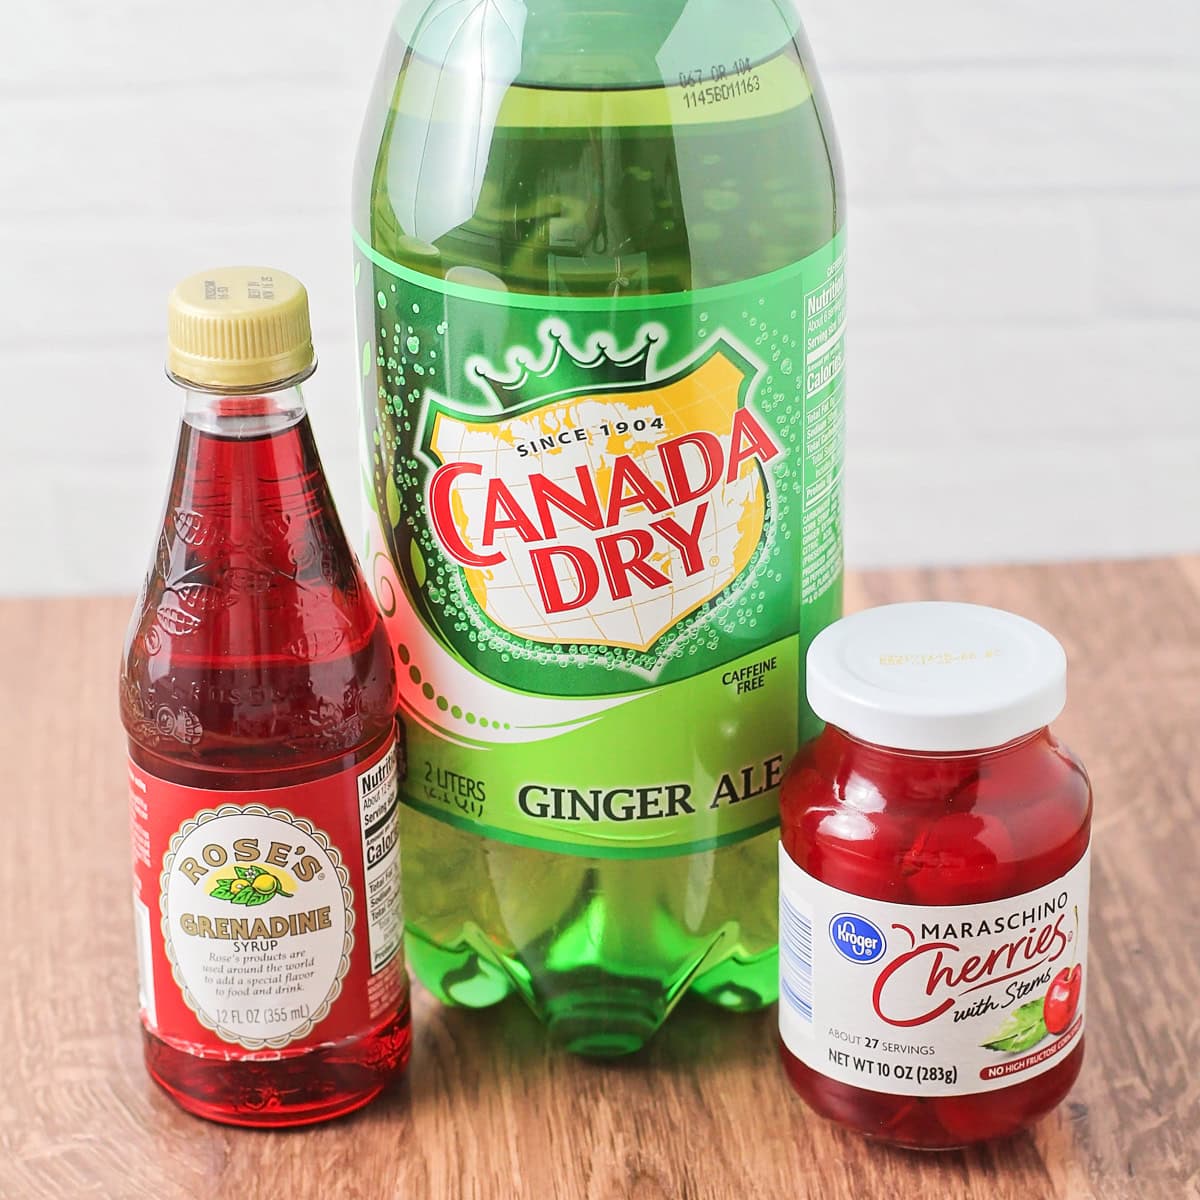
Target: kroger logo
x,y
856,938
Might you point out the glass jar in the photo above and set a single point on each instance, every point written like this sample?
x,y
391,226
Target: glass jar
x,y
934,879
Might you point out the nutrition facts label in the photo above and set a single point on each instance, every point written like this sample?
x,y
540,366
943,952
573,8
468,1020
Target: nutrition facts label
x,y
825,430
378,806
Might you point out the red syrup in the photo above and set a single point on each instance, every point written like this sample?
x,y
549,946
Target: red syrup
x,y
258,679
934,830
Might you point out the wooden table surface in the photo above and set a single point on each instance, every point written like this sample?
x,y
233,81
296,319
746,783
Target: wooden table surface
x,y
487,1111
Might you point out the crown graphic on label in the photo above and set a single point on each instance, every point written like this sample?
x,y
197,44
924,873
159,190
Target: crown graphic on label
x,y
563,372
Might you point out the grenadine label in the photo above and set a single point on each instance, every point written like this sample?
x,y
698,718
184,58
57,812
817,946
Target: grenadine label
x,y
267,918
917,1001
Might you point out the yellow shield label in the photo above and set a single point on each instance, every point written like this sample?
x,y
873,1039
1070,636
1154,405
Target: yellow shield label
x,y
606,512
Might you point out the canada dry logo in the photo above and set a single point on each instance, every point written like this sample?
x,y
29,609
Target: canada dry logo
x,y
604,500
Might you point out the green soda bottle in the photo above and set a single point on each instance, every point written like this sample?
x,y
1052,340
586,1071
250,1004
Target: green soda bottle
x,y
601,299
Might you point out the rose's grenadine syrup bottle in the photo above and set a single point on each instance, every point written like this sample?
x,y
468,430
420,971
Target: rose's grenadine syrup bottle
x,y
259,694
934,879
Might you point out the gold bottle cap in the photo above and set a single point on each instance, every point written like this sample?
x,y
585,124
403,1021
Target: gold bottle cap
x,y
239,329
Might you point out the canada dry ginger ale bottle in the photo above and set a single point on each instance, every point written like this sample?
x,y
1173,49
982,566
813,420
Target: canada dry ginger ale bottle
x,y
602,311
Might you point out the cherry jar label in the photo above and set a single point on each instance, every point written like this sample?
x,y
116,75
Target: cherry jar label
x,y
917,1001
268,918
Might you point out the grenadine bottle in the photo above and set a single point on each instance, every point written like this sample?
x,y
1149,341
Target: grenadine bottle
x,y
259,694
934,879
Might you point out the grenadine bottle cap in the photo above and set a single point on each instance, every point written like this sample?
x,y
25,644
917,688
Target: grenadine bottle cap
x,y
937,676
239,329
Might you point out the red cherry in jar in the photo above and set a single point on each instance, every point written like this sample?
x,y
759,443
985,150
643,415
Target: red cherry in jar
x,y
934,879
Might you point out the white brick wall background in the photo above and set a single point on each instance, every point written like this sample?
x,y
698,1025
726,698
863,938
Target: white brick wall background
x,y
1025,261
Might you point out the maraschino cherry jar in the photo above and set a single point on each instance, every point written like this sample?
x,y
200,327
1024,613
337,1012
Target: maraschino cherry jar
x,y
934,879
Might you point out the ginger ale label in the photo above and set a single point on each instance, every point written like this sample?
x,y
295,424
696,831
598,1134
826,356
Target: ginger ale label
x,y
603,533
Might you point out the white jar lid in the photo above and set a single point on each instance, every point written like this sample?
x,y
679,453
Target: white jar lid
x,y
935,676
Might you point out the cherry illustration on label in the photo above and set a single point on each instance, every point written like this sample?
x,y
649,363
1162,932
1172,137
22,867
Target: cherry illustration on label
x,y
1063,998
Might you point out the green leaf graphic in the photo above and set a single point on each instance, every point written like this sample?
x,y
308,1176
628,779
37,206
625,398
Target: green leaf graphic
x,y
1023,1029
244,896
418,562
254,898
223,890
393,501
